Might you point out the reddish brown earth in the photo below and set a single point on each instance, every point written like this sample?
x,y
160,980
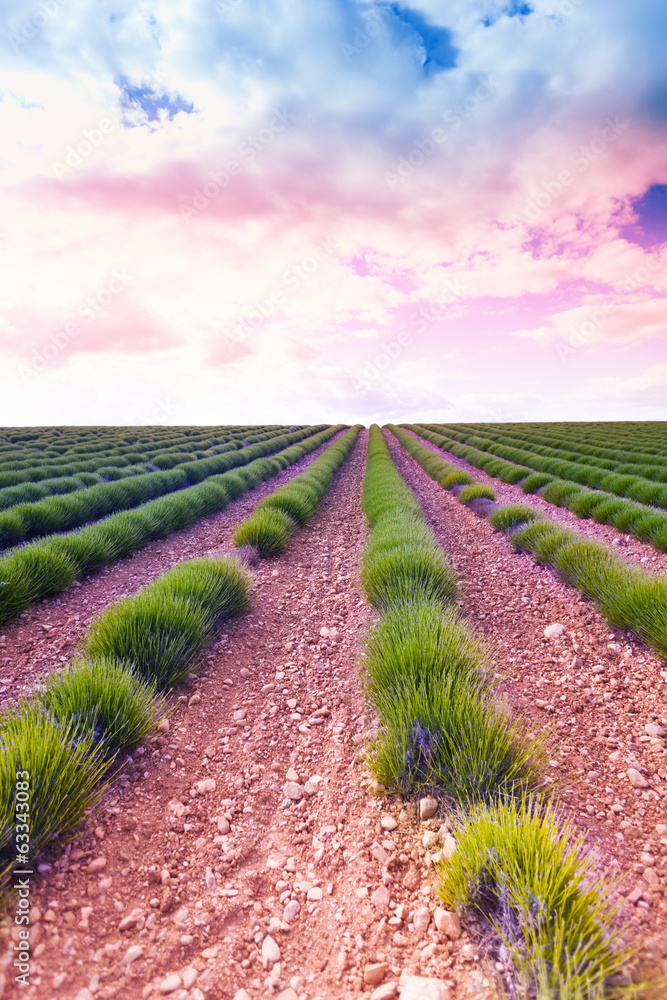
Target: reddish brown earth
x,y
595,718
199,884
45,636
198,876
630,548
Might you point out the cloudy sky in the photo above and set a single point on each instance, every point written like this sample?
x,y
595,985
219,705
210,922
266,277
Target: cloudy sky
x,y
230,211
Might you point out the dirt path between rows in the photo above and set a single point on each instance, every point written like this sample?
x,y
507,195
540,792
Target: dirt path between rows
x,y
243,850
594,690
630,548
45,636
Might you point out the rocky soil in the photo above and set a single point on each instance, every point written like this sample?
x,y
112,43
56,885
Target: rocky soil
x,y
45,636
630,548
244,854
600,695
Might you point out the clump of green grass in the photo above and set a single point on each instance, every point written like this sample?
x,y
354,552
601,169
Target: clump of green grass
x,y
449,739
295,499
85,548
423,641
458,478
519,867
158,640
105,699
220,587
659,539
277,517
542,539
30,573
251,477
478,491
606,511
161,629
648,526
234,485
408,571
65,778
12,528
584,504
560,491
534,482
268,530
395,531
513,475
510,516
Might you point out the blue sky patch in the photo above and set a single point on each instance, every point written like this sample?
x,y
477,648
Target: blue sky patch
x,y
150,102
436,41
515,9
650,227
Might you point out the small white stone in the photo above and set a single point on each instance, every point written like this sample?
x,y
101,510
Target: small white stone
x,y
276,861
270,951
636,778
134,952
655,729
207,785
427,807
315,894
380,898
171,983
385,992
293,791
388,823
211,881
421,918
448,923
375,973
291,911
240,714
421,988
448,847
189,977
553,631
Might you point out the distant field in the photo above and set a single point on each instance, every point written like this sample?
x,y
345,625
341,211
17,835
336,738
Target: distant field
x,y
186,614
614,473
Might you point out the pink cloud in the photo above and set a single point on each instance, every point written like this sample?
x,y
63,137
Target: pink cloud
x,y
124,327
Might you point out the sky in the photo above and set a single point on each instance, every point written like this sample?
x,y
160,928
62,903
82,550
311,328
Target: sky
x,y
276,211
